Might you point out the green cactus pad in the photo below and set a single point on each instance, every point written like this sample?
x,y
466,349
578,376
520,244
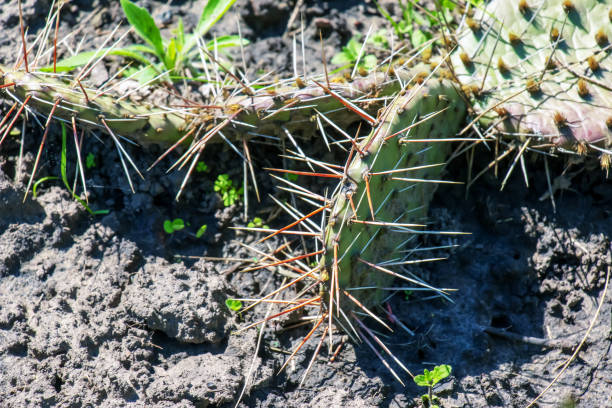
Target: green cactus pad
x,y
391,200
535,65
122,117
263,112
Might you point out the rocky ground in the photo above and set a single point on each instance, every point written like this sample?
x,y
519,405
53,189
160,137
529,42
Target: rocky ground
x,y
111,311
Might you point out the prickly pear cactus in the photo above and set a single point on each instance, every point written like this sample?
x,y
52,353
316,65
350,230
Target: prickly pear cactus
x,y
384,198
543,66
520,68
284,104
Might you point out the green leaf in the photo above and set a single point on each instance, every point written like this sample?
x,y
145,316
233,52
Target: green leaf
x,y
226,41
419,19
90,160
139,48
40,181
369,62
170,58
222,183
201,231
407,12
423,380
353,47
448,4
418,38
441,372
180,35
142,74
404,28
144,25
70,63
168,227
63,159
291,176
213,11
342,58
431,378
178,224
77,60
256,223
100,212
380,38
233,304
201,167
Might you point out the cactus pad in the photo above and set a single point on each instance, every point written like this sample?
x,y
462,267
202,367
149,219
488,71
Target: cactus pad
x,y
379,202
544,66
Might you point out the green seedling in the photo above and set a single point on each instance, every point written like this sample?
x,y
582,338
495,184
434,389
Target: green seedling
x,y
233,304
201,231
229,193
178,52
171,226
202,167
411,19
380,39
292,177
257,223
429,379
405,26
90,160
351,54
161,55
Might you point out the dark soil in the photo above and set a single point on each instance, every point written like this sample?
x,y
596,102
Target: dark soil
x,y
112,311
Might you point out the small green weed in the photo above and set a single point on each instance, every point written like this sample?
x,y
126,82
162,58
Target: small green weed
x,y
90,160
404,27
201,231
380,39
225,187
412,18
171,226
161,55
351,53
291,177
257,223
177,224
201,167
233,304
429,379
